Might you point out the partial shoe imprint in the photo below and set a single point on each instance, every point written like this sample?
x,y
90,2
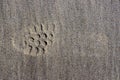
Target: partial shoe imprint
x,y
37,39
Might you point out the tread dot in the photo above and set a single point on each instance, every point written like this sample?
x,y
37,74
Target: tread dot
x,y
31,39
37,43
51,35
39,35
44,35
25,42
45,42
43,50
37,49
